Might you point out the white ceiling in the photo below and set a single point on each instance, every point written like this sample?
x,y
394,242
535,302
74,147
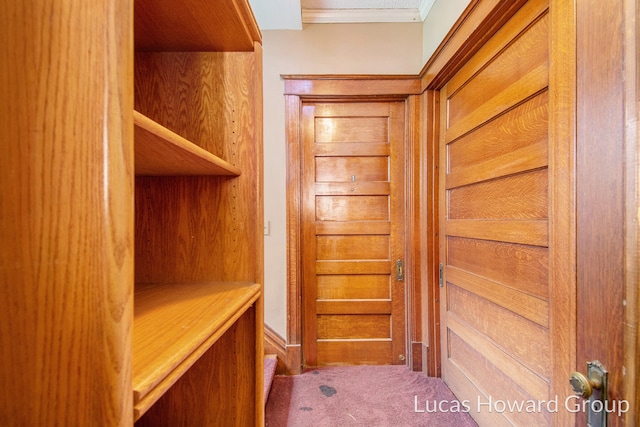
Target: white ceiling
x,y
291,14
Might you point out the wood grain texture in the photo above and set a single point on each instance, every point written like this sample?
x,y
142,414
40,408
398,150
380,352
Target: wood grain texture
x,y
207,395
195,26
201,229
521,338
352,208
353,188
527,306
495,220
206,97
336,286
522,196
294,227
475,27
351,129
517,385
514,142
562,197
523,60
66,185
631,384
337,169
353,267
429,249
197,218
352,212
600,129
362,306
363,247
162,152
352,149
352,227
356,352
498,364
354,85
521,267
338,326
525,232
193,316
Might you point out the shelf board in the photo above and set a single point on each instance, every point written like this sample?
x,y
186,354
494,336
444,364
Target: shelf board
x,y
174,324
196,26
160,151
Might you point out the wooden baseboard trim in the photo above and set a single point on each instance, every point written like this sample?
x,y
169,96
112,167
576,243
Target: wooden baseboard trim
x,y
274,344
417,354
289,356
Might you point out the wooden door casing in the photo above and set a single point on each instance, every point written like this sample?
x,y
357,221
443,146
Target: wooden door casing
x,y
353,198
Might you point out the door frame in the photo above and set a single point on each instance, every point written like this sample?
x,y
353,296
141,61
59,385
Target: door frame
x,y
300,89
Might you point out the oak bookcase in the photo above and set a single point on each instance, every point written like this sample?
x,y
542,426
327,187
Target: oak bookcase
x,y
197,357
131,214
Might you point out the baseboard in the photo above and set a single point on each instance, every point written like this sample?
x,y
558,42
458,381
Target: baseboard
x,y
274,344
289,356
416,356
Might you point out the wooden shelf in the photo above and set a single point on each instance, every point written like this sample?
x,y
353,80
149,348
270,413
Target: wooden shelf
x,y
174,324
196,26
160,151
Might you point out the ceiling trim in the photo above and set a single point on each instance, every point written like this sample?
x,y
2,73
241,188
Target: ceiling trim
x,y
425,8
328,16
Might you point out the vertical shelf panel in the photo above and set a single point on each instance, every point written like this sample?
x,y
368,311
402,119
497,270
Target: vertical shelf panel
x,y
66,213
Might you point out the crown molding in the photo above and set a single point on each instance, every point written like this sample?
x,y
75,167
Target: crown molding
x,y
333,16
425,8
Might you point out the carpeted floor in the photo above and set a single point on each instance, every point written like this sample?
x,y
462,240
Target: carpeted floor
x,y
373,396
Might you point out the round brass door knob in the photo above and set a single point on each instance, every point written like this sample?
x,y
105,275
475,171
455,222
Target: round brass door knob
x,y
583,386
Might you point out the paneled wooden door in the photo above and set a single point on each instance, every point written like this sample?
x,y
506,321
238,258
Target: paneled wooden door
x,y
353,233
496,221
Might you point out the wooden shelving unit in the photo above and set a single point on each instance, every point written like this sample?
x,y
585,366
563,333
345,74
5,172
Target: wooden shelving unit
x,y
197,328
132,233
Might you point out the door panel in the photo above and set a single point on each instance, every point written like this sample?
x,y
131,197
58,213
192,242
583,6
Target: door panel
x,y
352,225
495,223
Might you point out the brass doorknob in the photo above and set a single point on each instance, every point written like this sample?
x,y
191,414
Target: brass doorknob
x,y
583,386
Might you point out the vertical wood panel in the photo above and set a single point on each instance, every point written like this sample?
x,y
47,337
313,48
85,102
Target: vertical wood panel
x,y
562,196
66,213
600,190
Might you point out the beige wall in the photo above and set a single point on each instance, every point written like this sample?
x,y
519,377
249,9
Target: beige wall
x,y
441,17
385,48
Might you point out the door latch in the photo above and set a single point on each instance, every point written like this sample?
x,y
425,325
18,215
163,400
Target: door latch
x,y
592,387
399,270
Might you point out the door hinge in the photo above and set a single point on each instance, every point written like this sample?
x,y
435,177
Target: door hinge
x,y
440,276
